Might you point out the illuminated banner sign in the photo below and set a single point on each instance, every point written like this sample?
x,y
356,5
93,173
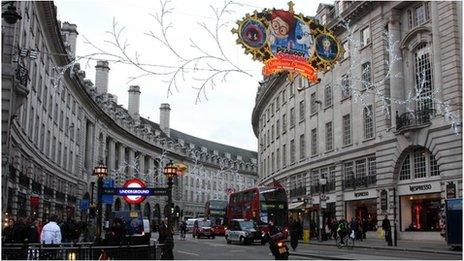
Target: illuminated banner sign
x,y
285,41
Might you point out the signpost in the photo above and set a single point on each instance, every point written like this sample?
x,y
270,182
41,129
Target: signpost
x,y
134,191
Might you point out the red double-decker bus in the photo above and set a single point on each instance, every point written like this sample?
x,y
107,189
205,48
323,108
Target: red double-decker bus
x,y
215,210
260,204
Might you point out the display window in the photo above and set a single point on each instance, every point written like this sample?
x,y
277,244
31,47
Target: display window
x,y
363,211
421,212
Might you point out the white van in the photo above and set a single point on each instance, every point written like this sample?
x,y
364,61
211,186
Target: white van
x,y
190,223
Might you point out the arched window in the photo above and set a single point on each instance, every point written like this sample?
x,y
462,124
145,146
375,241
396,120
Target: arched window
x,y
418,163
423,79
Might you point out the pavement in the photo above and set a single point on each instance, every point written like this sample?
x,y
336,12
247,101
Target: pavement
x,y
438,247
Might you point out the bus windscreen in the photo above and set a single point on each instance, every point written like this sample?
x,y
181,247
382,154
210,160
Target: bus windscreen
x,y
274,207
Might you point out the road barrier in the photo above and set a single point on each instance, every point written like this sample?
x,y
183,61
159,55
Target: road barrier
x,y
80,251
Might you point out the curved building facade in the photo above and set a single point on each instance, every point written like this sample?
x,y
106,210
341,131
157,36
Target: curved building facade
x,y
57,126
336,159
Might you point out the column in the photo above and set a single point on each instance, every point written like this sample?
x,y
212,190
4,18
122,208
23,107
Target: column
x,y
121,167
396,81
130,171
142,173
151,172
111,157
14,208
29,210
436,45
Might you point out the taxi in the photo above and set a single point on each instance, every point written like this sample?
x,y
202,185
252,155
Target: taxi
x,y
242,231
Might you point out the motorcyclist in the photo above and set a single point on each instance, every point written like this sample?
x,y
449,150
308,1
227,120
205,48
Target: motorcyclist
x,y
274,237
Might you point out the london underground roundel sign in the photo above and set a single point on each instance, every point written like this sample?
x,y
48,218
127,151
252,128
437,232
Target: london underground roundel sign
x,y
134,183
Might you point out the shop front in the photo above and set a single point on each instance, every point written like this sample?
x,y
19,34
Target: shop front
x,y
362,205
321,213
420,207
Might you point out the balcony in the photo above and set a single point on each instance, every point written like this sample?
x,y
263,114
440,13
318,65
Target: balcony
x,y
361,182
317,188
414,120
22,75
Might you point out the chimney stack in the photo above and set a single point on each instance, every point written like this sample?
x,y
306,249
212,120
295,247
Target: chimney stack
x,y
134,102
101,77
69,31
164,118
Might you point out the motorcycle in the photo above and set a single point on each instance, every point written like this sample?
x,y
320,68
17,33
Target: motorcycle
x,y
278,247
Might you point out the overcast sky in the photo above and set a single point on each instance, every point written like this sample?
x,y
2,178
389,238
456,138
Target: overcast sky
x,y
226,116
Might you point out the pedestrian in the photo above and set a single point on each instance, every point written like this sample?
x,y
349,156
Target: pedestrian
x,y
7,234
183,229
333,228
50,236
167,242
354,226
387,228
33,235
118,233
294,233
19,231
51,232
365,228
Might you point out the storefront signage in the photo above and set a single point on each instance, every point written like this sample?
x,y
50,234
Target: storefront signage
x,y
361,194
286,41
357,195
422,188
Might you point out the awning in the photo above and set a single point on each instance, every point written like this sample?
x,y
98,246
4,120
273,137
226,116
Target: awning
x,y
297,205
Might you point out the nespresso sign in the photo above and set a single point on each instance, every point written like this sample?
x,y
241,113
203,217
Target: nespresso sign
x,y
411,189
420,187
361,194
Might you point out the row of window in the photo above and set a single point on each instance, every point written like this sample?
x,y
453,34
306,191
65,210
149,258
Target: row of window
x,y
273,161
190,196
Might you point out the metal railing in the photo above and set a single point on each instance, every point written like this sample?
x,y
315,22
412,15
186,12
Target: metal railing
x,y
22,75
80,251
361,182
411,119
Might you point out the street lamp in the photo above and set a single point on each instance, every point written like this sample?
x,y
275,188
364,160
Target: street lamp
x,y
10,16
170,171
100,171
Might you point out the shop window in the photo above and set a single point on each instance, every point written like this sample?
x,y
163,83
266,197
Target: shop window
x,y
425,214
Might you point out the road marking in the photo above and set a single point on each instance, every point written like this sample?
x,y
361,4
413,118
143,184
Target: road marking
x,y
188,253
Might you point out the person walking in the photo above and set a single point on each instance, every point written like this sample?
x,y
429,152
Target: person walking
x,y
354,226
183,229
387,228
7,233
166,239
51,233
294,233
19,231
365,227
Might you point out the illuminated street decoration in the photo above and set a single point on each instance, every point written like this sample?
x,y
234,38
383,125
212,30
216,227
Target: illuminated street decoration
x,y
285,41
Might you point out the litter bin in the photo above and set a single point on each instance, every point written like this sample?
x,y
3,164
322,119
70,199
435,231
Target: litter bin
x,y
454,222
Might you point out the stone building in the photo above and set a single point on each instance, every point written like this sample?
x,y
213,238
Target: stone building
x,y
57,126
336,159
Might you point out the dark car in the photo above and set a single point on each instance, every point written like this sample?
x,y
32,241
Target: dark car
x,y
242,231
202,228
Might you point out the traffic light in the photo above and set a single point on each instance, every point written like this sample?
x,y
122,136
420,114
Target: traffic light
x,y
92,211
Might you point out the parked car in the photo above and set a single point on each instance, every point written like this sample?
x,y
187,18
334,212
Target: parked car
x,y
190,223
242,231
202,228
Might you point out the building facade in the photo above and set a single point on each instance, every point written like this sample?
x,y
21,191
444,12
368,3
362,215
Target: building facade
x,y
341,151
57,126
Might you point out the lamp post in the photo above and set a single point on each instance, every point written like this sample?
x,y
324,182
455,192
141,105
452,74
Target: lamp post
x,y
100,171
170,171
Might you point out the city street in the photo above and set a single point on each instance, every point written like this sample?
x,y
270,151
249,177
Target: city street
x,y
218,249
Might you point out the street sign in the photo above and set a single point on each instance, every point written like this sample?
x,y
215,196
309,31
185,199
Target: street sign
x,y
133,198
107,199
136,191
84,204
